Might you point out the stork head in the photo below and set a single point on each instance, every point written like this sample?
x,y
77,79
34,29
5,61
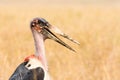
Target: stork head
x,y
45,28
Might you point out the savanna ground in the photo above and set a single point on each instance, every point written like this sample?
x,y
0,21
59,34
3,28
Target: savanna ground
x,y
97,28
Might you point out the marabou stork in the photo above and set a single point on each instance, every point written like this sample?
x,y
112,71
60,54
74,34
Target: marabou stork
x,y
34,67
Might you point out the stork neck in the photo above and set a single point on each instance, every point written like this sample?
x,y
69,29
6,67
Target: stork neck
x,y
39,47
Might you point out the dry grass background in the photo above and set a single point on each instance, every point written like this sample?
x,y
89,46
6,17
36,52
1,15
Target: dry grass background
x,y
97,28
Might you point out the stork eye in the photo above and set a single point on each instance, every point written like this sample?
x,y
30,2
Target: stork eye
x,y
33,24
29,65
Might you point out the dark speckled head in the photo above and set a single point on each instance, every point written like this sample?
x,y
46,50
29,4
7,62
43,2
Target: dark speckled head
x,y
39,21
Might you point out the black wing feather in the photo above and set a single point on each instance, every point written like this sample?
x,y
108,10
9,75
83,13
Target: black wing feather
x,y
22,73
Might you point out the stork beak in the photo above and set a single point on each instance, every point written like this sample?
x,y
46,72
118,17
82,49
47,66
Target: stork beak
x,y
52,36
59,32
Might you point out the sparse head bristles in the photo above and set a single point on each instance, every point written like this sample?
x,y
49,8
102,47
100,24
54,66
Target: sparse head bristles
x,y
31,56
39,21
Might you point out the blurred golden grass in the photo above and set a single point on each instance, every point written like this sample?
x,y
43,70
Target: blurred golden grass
x,y
96,28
